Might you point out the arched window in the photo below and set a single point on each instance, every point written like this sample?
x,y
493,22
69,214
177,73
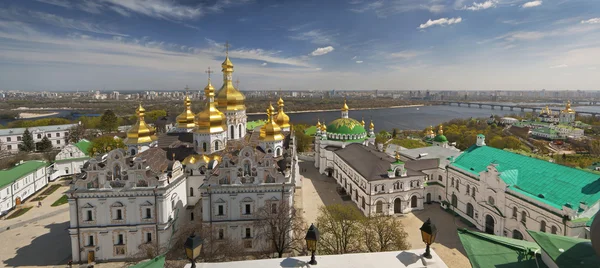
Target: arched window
x,y
117,172
543,226
132,151
452,182
204,146
523,217
517,235
216,145
491,200
553,230
231,132
240,130
363,201
454,200
457,184
379,207
191,191
440,178
278,152
413,201
474,190
468,189
515,212
469,210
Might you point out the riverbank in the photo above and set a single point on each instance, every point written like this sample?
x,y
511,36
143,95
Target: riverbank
x,y
354,109
35,115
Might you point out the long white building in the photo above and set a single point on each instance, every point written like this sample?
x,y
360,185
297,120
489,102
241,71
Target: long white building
x,y
10,138
20,182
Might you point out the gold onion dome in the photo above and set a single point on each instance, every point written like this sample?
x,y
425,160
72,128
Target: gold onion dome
x,y
228,97
195,158
140,132
362,122
282,119
210,120
186,119
345,107
371,126
318,124
568,108
270,131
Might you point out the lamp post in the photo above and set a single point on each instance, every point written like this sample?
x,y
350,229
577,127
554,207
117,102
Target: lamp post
x,y
428,233
193,246
312,237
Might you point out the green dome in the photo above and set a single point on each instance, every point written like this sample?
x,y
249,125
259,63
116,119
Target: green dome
x,y
440,138
345,126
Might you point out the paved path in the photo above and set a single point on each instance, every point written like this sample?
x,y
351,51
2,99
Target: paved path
x,y
37,213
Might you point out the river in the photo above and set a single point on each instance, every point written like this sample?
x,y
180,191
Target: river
x,y
401,118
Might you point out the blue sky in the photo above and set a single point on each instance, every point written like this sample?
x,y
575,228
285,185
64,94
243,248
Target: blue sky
x,y
58,45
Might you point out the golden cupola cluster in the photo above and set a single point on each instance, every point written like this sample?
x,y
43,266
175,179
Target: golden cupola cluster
x,y
271,130
140,132
186,118
568,109
229,98
282,119
210,120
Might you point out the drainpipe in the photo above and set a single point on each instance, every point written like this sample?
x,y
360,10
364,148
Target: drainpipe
x,y
77,217
209,207
156,220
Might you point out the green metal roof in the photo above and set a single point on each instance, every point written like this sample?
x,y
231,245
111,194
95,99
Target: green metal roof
x,y
8,176
485,250
345,126
440,138
567,251
158,262
310,131
545,130
71,159
546,182
83,145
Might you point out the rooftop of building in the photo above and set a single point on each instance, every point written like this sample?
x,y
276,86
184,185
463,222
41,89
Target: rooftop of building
x,y
83,145
20,131
396,259
546,182
10,175
374,165
433,152
567,251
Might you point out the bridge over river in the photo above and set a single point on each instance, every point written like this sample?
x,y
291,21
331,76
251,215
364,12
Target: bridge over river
x,y
493,106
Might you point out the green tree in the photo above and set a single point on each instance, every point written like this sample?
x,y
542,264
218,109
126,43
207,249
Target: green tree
x,y
27,144
90,122
76,133
154,115
395,132
383,233
104,145
340,229
497,142
109,122
303,141
511,142
45,145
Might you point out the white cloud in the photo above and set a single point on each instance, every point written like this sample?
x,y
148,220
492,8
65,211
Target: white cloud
x,y
159,8
532,4
407,54
385,8
480,6
559,66
322,51
60,3
359,61
316,37
441,22
591,21
263,64
354,57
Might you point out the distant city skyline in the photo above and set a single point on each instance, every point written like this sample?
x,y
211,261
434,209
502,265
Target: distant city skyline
x,y
138,45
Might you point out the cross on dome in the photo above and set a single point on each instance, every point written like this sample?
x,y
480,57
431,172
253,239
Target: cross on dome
x,y
208,71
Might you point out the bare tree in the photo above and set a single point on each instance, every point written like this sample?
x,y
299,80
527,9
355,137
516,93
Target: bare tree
x,y
340,229
383,233
281,226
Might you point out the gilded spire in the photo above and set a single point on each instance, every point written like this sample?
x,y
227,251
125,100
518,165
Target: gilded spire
x,y
186,118
345,107
270,131
210,120
318,124
140,132
228,97
397,156
372,126
441,130
282,119
362,122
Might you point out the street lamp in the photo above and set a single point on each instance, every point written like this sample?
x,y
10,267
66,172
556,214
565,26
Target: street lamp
x,y
193,246
428,233
312,237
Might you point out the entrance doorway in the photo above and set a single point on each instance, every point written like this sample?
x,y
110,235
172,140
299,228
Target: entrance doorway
x,y
398,206
18,201
428,198
517,235
91,256
489,224
329,173
413,201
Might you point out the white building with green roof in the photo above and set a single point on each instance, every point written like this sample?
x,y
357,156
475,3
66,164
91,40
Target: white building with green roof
x,y
70,159
337,134
20,182
10,138
505,194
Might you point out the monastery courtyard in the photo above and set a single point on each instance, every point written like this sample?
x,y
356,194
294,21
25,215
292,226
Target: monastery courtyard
x,y
318,190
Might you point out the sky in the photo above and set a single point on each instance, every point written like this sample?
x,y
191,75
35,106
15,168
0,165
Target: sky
x,y
66,45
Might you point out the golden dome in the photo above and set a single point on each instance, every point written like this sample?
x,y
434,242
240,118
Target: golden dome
x,y
270,131
323,127
318,124
140,132
186,119
282,119
345,107
441,130
197,158
228,97
568,108
372,126
362,122
210,120
430,131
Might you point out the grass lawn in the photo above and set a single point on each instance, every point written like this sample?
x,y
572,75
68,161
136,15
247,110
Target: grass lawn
x,y
18,213
66,179
61,201
46,192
